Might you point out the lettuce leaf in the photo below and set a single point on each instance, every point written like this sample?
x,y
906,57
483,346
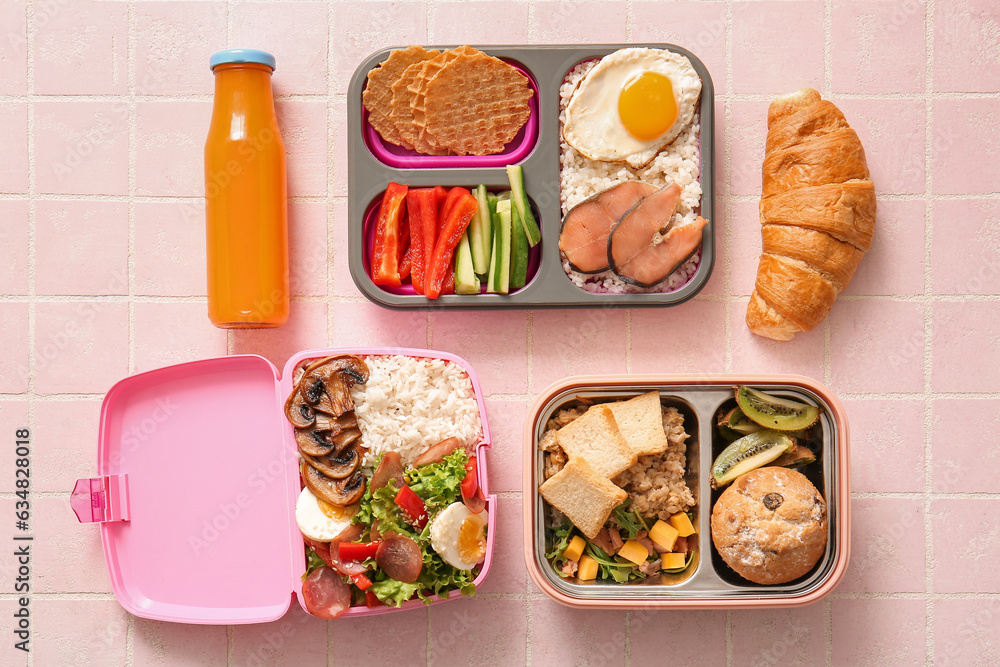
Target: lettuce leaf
x,y
439,484
393,593
313,562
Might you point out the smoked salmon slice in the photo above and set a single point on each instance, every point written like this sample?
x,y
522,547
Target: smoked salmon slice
x,y
587,226
643,248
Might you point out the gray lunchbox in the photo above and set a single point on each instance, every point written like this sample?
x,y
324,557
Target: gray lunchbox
x,y
373,163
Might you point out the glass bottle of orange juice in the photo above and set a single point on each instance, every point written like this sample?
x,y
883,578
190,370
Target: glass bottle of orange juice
x,y
245,196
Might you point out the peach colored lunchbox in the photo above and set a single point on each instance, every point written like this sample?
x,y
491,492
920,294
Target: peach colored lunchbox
x,y
708,582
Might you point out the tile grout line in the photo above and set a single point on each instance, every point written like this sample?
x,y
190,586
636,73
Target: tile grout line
x,y
133,138
29,21
928,331
198,199
727,280
319,97
827,327
133,125
530,363
331,178
727,276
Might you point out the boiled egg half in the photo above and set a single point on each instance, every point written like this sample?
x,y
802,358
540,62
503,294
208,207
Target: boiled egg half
x,y
631,104
319,520
459,536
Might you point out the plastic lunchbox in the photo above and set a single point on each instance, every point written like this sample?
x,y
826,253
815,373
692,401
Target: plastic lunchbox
x,y
708,582
374,163
197,482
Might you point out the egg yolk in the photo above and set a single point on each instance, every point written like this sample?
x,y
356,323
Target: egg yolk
x,y
647,106
471,540
336,512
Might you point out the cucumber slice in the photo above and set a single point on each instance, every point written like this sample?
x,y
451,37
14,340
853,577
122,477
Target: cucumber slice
x,y
515,174
481,233
466,281
499,280
518,252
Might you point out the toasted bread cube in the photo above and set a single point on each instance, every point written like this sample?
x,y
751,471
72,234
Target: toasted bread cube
x,y
583,495
640,421
663,534
587,571
575,548
682,523
673,561
595,437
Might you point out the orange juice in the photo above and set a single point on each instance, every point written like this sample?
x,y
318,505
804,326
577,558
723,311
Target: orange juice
x,y
245,196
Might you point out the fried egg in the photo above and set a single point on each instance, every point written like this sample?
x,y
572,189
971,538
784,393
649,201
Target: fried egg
x,y
459,536
320,521
631,104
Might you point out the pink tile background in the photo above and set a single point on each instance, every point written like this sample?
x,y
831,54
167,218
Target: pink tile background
x,y
87,38
102,274
14,249
82,247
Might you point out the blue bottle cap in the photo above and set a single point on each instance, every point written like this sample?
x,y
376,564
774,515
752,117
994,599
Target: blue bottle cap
x,y
241,56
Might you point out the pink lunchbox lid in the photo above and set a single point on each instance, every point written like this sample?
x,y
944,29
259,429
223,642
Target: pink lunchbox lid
x,y
196,490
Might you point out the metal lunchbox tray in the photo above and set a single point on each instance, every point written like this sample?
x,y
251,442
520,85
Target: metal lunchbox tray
x,y
373,163
708,582
197,482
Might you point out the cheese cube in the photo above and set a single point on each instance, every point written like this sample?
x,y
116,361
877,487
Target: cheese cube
x,y
575,548
587,570
663,534
633,551
682,523
673,561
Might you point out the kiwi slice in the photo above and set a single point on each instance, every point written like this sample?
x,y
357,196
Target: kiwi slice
x,y
737,421
780,414
799,456
749,453
729,434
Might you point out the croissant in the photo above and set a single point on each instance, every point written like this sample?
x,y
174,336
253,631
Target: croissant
x,y
817,215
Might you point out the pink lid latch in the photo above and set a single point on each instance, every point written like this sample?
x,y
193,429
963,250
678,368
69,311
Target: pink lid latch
x,y
101,499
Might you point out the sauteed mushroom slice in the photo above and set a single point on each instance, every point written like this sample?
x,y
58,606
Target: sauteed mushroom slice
x,y
337,400
348,420
345,438
298,411
328,424
333,376
337,466
340,492
313,443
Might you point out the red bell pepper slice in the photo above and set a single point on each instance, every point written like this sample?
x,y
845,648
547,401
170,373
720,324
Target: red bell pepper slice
x,y
413,507
440,194
358,551
454,195
362,582
385,253
405,259
469,485
459,217
371,600
421,208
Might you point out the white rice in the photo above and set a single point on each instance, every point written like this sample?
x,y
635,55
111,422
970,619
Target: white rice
x,y
580,178
411,403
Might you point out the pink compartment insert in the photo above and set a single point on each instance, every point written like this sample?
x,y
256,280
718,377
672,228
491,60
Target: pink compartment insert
x,y
483,466
519,147
370,222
